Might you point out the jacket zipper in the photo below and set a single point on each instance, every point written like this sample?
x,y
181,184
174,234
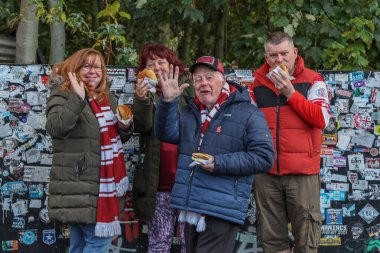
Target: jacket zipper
x,y
278,134
190,183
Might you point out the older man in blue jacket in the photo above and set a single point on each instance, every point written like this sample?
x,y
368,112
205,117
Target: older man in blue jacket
x,y
212,195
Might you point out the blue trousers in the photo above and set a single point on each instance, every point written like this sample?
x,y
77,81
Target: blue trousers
x,y
83,240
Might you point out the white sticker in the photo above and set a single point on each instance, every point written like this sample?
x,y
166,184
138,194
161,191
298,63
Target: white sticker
x,y
360,185
36,174
356,162
338,186
35,203
368,213
20,207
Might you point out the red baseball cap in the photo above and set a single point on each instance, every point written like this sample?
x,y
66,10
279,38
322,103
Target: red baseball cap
x,y
208,61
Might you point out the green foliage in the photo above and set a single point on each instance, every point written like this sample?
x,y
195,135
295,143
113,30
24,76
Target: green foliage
x,y
9,17
342,34
110,36
126,56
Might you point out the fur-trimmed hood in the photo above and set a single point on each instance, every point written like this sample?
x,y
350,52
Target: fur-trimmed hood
x,y
55,81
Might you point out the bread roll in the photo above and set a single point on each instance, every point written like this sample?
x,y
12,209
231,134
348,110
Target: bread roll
x,y
282,66
124,111
147,73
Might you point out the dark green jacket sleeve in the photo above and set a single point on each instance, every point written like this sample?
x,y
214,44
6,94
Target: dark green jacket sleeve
x,y
63,111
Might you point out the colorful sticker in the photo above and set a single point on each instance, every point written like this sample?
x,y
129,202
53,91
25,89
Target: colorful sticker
x,y
10,245
356,76
362,121
28,237
334,216
330,241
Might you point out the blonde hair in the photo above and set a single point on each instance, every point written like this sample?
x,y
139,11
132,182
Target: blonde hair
x,y
74,64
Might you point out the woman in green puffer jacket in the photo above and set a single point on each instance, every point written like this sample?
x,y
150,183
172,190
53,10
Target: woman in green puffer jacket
x,y
88,173
154,179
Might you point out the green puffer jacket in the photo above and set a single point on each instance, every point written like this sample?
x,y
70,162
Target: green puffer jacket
x,y
146,177
74,176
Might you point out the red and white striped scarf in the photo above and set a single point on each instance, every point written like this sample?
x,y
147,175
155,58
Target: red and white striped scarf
x,y
207,117
113,175
192,217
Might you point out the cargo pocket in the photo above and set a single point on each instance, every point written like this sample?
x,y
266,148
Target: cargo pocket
x,y
314,229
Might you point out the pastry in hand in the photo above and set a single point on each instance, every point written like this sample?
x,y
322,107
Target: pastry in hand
x,y
124,113
275,70
150,77
282,66
201,158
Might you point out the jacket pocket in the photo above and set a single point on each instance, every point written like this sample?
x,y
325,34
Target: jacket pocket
x,y
314,229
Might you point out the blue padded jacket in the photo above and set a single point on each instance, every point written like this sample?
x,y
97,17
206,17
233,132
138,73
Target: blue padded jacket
x,y
240,141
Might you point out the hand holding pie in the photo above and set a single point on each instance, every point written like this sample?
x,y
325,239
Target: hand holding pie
x,y
201,158
124,114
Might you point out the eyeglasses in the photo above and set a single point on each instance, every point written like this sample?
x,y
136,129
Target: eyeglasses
x,y
88,67
208,77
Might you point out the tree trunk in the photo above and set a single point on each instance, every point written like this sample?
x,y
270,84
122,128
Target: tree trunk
x,y
165,32
219,32
206,38
57,35
95,11
27,34
185,48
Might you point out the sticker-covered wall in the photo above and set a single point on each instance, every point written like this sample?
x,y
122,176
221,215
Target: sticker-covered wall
x,y
350,165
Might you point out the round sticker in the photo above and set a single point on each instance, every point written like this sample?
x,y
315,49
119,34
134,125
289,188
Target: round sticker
x,y
374,151
28,237
362,121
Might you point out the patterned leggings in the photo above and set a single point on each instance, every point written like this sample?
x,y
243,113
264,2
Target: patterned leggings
x,y
161,227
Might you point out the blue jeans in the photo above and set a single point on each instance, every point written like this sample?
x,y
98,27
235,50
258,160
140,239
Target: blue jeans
x,y
83,240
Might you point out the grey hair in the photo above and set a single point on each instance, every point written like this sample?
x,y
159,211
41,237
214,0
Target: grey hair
x,y
277,38
221,76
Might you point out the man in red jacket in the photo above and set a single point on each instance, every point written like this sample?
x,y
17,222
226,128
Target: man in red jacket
x,y
295,104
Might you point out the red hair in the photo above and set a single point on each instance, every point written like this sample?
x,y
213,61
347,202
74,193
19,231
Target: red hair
x,y
152,51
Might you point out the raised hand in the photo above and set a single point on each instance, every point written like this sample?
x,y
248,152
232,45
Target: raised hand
x,y
78,88
169,84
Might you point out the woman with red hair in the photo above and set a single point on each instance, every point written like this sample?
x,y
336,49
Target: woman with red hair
x,y
154,180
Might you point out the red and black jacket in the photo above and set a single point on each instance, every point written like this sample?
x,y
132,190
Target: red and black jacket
x,y
296,124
